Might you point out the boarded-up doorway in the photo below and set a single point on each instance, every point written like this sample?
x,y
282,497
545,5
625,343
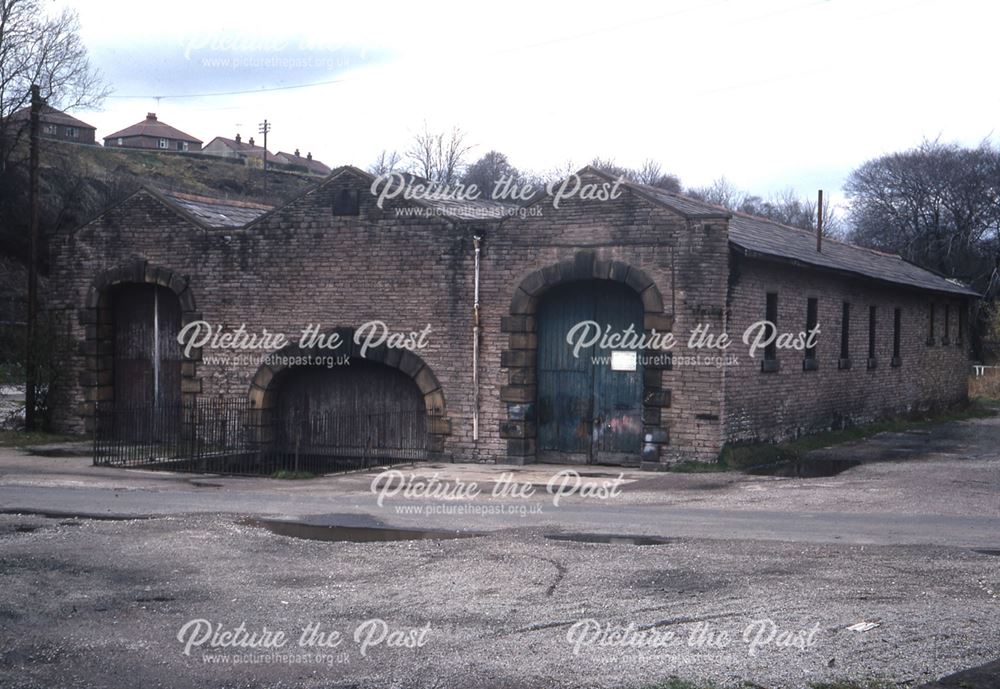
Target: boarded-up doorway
x,y
146,320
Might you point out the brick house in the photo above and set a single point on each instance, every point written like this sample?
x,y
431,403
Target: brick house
x,y
251,154
58,125
501,289
153,134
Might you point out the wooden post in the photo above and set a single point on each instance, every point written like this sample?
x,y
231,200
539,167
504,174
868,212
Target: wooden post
x,y
30,363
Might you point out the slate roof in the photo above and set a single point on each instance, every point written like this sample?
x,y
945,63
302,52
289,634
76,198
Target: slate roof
x,y
154,128
217,213
50,115
754,236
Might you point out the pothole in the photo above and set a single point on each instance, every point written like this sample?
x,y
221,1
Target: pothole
x,y
987,551
353,534
610,539
807,468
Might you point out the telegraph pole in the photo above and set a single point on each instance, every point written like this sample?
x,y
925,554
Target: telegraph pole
x,y
265,127
30,364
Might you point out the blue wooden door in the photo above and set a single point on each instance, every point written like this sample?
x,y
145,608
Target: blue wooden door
x,y
587,412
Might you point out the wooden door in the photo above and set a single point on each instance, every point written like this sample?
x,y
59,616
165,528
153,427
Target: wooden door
x,y
587,411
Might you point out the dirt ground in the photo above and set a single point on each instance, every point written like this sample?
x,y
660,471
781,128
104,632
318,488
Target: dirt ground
x,y
750,578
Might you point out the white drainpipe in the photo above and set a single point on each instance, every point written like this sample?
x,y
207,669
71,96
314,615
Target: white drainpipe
x,y
475,346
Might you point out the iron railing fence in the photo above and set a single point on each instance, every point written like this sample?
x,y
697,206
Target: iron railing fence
x,y
229,436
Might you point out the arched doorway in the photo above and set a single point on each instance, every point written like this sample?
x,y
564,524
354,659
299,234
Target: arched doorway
x,y
589,407
146,356
531,401
361,408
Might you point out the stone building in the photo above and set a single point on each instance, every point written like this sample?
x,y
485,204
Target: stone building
x,y
521,333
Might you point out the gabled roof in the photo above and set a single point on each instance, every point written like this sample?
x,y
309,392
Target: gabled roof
x,y
50,115
252,150
152,127
310,164
216,213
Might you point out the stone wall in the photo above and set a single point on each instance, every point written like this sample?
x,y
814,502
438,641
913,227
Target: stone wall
x,y
791,401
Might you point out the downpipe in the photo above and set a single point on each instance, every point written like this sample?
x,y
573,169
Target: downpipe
x,y
477,243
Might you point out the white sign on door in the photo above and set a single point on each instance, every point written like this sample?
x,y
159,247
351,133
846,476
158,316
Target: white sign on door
x,y
624,361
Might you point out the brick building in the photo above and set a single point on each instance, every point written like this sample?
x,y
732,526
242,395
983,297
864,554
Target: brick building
x,y
494,302
151,133
58,125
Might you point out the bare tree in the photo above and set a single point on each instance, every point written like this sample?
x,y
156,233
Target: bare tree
x,y
488,170
651,173
46,50
438,156
385,163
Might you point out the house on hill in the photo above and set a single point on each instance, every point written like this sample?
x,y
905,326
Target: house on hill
x,y
59,126
153,134
296,162
251,154
547,323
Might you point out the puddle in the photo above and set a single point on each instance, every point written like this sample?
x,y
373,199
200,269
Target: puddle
x,y
353,534
809,468
52,514
610,539
987,551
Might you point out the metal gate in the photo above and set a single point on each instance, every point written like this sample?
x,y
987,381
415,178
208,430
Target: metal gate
x,y
587,411
229,436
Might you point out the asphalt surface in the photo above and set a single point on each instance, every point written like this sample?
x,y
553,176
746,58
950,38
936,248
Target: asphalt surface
x,y
758,578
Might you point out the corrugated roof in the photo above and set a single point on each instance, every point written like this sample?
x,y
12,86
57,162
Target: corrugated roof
x,y
217,213
154,128
758,236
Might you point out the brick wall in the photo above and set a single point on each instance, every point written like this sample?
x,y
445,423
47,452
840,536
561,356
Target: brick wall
x,y
792,401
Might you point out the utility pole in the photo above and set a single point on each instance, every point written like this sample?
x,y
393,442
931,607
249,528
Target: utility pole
x,y
265,127
30,364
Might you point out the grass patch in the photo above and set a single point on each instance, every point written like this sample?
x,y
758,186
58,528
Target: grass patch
x,y
289,475
29,439
742,456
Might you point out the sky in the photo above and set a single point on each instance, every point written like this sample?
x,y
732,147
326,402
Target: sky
x,y
771,94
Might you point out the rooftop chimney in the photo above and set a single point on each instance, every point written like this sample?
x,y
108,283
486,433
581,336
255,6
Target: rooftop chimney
x,y
819,221
297,153
251,141
150,115
309,156
238,137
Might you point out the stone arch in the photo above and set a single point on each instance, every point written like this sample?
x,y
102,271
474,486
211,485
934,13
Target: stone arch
x,y
95,316
263,393
519,356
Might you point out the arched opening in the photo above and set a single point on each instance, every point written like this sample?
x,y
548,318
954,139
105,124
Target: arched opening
x,y
362,409
547,421
146,357
589,407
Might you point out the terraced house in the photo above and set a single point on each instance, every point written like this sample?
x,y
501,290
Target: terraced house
x,y
491,326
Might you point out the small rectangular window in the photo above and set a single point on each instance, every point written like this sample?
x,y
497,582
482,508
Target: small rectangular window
x,y
872,323
897,326
812,316
770,362
947,325
347,203
120,141
163,143
72,132
930,324
845,337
